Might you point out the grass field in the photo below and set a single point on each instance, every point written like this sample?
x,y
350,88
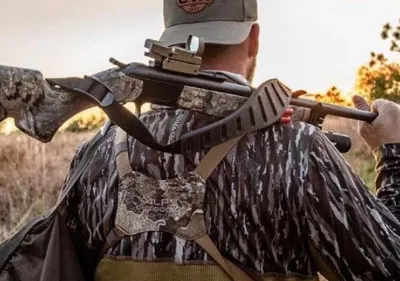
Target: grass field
x,y
31,174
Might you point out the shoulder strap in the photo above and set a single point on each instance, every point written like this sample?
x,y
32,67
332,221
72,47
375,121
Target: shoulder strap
x,y
207,165
212,159
233,271
205,168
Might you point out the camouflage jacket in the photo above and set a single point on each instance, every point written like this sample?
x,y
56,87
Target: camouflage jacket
x,y
278,193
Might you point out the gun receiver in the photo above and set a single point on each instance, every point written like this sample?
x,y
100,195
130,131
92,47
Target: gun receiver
x,y
198,91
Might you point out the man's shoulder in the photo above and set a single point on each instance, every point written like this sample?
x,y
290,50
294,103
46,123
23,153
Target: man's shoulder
x,y
294,132
298,134
165,122
277,144
100,146
300,129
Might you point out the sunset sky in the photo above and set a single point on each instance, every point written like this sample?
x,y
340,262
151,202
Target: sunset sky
x,y
309,44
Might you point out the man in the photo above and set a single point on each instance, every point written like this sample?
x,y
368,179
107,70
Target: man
x,y
282,205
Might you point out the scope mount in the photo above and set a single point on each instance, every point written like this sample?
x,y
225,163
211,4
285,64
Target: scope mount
x,y
182,60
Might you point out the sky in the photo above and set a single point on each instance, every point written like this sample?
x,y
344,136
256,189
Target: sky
x,y
307,44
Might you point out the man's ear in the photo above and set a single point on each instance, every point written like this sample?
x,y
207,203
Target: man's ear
x,y
254,40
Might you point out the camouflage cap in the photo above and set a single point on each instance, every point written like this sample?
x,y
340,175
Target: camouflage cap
x,y
225,22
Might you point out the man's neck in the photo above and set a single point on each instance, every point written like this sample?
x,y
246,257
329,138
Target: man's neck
x,y
237,78
232,66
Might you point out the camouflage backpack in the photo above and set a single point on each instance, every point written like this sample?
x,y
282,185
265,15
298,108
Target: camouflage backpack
x,y
175,206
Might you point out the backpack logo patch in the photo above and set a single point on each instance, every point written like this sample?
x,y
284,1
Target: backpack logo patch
x,y
193,6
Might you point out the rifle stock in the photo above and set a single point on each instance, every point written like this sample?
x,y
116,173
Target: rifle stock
x,y
40,109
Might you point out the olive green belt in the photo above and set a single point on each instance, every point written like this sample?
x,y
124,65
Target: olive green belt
x,y
130,270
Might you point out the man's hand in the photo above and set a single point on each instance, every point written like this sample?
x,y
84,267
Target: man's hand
x,y
385,128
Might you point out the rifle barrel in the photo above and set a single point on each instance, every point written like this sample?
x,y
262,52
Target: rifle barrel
x,y
148,73
335,110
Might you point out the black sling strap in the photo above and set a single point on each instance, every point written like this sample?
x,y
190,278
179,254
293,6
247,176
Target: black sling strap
x,y
263,108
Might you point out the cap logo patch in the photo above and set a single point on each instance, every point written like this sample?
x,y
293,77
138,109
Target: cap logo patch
x,y
193,6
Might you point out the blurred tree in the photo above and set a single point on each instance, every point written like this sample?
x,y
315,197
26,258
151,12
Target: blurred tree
x,y
392,33
381,78
88,120
333,95
7,126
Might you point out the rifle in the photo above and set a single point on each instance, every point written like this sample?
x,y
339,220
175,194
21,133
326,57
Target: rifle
x,y
40,106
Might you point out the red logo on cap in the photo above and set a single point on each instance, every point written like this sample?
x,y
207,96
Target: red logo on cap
x,y
193,6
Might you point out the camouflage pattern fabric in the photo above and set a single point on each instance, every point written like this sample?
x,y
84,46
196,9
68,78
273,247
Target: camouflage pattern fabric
x,y
147,204
388,179
280,191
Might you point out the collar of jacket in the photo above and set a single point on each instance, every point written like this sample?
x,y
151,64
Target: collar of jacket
x,y
237,78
